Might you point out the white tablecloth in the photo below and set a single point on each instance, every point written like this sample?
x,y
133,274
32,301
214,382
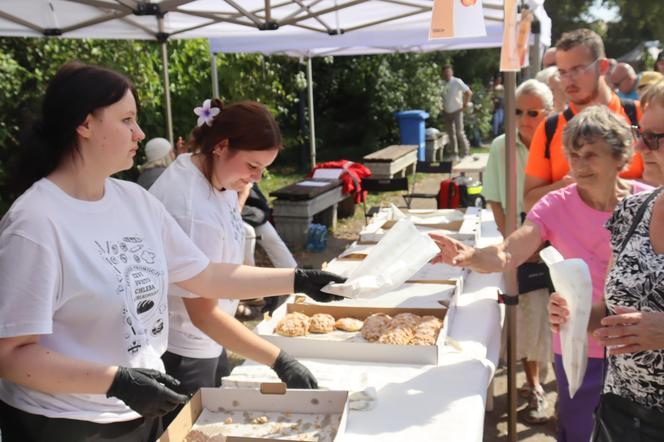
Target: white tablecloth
x,y
427,403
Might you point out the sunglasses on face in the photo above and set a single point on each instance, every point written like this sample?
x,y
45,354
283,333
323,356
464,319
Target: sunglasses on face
x,y
530,113
650,140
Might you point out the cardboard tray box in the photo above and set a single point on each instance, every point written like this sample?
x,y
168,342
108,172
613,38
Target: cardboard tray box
x,y
269,398
462,230
354,349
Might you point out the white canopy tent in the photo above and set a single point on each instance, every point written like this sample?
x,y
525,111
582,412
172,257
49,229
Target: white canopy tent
x,y
365,28
294,27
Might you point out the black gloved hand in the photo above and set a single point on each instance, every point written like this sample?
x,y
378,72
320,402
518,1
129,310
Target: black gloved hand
x,y
294,374
311,281
148,392
272,303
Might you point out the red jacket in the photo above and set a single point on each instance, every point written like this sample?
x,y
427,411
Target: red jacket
x,y
351,177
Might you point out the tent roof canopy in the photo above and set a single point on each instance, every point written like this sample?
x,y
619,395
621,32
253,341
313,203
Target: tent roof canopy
x,y
136,19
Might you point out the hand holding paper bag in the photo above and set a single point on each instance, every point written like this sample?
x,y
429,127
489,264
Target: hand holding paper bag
x,y
571,279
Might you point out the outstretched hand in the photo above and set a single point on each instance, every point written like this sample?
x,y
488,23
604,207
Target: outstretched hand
x,y
629,330
452,252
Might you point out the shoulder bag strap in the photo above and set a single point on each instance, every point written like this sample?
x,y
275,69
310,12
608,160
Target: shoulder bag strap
x,y
637,218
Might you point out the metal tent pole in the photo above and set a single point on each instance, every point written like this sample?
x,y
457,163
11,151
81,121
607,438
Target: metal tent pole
x,y
510,226
162,37
215,76
312,125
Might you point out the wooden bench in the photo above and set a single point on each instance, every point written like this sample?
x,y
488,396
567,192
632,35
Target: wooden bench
x,y
296,205
475,163
392,161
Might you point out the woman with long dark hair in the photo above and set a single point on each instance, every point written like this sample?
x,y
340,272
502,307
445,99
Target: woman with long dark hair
x,y
85,262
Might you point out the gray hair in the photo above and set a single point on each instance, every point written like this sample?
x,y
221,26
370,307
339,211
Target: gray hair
x,y
538,89
598,123
546,74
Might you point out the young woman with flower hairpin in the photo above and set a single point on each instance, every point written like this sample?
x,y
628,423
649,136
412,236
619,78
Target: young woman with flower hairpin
x,y
85,262
231,148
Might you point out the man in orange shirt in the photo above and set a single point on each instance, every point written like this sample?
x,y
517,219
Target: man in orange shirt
x,y
582,66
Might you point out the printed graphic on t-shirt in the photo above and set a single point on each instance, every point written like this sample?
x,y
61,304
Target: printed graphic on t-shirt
x,y
238,227
140,284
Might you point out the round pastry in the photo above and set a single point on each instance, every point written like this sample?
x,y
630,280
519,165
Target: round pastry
x,y
293,324
426,332
321,323
396,334
406,319
374,326
349,324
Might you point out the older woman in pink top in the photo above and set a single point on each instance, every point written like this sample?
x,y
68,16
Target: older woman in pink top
x,y
598,145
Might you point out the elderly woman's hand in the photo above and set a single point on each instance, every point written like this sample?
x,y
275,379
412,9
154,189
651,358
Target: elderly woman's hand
x,y
558,311
484,260
629,330
452,252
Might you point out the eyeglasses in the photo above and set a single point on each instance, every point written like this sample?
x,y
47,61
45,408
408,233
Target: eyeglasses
x,y
650,139
576,70
532,113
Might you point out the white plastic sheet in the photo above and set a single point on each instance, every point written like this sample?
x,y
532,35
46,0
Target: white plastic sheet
x,y
400,254
571,278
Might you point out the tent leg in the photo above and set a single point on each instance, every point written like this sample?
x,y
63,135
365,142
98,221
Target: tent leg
x,y
163,46
215,77
312,125
510,226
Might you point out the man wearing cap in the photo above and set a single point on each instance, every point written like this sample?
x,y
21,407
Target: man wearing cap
x,y
646,78
158,155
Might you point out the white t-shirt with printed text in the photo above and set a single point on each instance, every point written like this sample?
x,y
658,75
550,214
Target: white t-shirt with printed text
x,y
212,219
90,278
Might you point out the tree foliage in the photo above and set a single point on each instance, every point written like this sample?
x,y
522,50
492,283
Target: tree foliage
x,y
355,97
641,20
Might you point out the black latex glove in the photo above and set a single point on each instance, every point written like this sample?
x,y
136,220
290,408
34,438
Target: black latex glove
x,y
311,281
272,303
291,372
148,392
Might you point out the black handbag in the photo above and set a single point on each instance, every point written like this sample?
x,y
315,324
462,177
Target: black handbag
x,y
618,419
533,276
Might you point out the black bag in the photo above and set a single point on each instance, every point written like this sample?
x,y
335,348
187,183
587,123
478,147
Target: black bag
x,y
533,276
618,419
256,210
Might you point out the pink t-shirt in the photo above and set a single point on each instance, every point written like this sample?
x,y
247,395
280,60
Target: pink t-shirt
x,y
577,231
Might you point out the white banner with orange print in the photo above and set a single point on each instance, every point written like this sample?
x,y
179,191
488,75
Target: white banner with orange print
x,y
516,33
456,19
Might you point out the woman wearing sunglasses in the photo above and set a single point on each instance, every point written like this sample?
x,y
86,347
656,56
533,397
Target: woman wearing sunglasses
x,y
533,103
629,319
598,145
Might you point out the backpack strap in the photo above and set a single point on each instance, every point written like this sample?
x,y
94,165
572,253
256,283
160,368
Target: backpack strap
x,y
550,126
629,106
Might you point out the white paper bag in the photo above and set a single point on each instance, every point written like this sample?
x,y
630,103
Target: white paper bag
x,y
571,278
401,253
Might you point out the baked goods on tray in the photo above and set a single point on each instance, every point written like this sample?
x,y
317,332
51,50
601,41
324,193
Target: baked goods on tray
x,y
402,329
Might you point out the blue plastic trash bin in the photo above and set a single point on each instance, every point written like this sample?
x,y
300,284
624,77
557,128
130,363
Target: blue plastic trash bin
x,y
411,129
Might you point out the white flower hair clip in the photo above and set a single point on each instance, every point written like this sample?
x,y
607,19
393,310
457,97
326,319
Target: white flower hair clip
x,y
206,113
